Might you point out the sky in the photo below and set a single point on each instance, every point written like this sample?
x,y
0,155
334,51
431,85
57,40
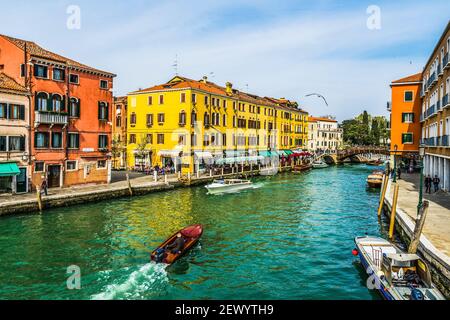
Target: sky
x,y
342,49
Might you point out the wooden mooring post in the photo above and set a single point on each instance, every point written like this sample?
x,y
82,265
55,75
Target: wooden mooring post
x,y
39,197
420,222
383,193
130,190
393,211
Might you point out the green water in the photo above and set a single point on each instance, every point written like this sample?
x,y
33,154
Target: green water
x,y
290,238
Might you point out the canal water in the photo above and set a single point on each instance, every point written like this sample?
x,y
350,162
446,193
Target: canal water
x,y
290,238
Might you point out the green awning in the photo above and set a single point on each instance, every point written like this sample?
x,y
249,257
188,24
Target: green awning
x,y
9,169
282,153
274,153
288,152
264,153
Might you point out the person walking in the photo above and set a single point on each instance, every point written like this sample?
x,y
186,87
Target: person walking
x,y
44,186
436,182
428,184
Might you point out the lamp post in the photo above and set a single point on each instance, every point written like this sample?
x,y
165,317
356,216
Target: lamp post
x,y
394,179
421,155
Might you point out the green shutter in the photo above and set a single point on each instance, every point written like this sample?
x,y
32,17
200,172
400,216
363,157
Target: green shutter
x,y
50,103
99,111
22,112
36,101
78,108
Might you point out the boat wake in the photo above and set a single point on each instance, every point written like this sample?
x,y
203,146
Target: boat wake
x,y
150,278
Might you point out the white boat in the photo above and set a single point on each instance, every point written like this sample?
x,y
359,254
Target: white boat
x,y
228,186
268,171
319,164
395,274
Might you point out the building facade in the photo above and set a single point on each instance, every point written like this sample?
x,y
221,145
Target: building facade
x,y
71,122
405,109
14,136
184,123
325,136
119,136
435,116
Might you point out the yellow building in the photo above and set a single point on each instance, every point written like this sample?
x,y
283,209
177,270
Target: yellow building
x,y
185,123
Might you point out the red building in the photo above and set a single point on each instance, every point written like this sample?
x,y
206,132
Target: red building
x,y
70,114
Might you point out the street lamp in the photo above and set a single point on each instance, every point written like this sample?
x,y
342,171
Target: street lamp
x,y
394,179
421,155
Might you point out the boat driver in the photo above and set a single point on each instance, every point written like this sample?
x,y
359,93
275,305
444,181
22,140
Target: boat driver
x,y
177,245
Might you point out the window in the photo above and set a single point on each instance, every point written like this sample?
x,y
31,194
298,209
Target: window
x,y
206,100
132,138
407,117
16,143
39,167
224,120
133,119
40,71
161,99
149,138
193,118
408,96
407,138
71,165
3,113
101,164
194,98
73,141
182,118
22,70
206,119
118,121
74,78
102,141
104,84
57,103
3,143
160,138
160,118
149,120
150,100
181,139
183,97
58,74
41,139
56,140
74,108
41,101
16,112
103,111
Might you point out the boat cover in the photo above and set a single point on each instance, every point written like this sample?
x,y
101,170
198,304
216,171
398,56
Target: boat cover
x,y
192,231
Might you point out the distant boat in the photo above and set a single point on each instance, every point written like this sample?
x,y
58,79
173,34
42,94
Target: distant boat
x,y
375,180
319,164
374,162
228,185
302,168
268,171
396,275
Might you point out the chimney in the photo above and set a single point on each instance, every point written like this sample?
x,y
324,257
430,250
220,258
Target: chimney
x,y
205,79
229,89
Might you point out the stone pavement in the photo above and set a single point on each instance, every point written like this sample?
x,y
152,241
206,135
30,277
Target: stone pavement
x,y
437,223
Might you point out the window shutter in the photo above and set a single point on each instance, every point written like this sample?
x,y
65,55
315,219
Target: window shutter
x,y
35,70
78,108
50,103
99,141
77,141
22,112
22,143
99,110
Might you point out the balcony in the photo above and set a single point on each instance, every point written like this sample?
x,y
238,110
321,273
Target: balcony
x,y
430,111
445,102
50,118
438,106
444,141
433,80
429,142
446,61
440,71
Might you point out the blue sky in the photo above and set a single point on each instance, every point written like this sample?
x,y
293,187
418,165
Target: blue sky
x,y
273,48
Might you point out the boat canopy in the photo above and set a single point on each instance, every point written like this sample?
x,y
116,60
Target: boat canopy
x,y
9,169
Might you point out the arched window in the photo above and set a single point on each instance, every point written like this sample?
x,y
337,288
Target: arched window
x,y
57,103
206,119
182,118
41,101
193,118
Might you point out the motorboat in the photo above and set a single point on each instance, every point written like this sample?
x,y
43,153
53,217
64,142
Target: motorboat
x,y
190,235
374,162
228,186
301,168
268,171
319,164
395,274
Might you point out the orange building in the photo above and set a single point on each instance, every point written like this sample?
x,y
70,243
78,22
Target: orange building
x,y
405,115
70,132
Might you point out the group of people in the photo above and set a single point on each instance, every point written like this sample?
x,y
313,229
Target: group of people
x,y
159,170
432,181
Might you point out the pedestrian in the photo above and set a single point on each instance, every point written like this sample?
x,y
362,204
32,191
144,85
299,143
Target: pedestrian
x,y
399,172
428,184
436,182
44,186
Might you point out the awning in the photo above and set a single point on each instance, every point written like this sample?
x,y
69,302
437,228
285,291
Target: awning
x,y
203,154
265,153
169,153
288,152
235,153
282,153
9,169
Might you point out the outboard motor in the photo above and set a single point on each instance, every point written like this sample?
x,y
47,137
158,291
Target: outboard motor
x,y
159,255
416,295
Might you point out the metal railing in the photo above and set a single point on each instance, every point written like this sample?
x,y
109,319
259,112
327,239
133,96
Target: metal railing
x,y
50,118
445,101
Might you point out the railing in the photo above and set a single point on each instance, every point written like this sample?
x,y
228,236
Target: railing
x,y
430,142
50,118
430,111
440,71
444,141
445,62
438,106
445,101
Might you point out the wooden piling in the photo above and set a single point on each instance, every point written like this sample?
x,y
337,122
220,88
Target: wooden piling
x,y
130,190
393,211
383,193
39,197
420,222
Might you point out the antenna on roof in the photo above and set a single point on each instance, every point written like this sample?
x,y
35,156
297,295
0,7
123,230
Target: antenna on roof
x,y
175,64
211,74
246,87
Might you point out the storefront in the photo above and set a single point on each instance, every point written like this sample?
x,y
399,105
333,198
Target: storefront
x,y
8,173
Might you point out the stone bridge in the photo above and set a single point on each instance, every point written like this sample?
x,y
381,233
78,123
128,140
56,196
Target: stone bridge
x,y
352,152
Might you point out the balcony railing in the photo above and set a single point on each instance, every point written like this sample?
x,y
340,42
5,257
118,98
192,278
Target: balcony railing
x,y
438,106
445,101
446,61
430,111
430,142
440,71
50,118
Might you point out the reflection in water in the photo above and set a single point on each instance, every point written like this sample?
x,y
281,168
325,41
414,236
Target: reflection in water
x,y
289,238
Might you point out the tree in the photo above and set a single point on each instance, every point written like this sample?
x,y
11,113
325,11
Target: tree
x,y
375,132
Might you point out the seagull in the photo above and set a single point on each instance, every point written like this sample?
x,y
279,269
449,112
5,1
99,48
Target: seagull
x,y
319,96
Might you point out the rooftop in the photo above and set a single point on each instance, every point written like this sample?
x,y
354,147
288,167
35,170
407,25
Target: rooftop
x,y
10,85
315,119
409,79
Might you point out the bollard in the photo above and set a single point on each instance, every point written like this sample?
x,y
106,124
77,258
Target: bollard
x,y
420,222
39,197
393,211
130,190
155,176
383,193
198,174
222,172
189,176
210,172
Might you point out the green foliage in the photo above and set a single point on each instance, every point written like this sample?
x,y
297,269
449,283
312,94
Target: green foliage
x,y
366,130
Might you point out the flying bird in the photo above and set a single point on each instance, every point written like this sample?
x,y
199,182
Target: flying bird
x,y
319,96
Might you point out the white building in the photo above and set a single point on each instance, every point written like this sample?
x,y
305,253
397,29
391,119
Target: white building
x,y
324,135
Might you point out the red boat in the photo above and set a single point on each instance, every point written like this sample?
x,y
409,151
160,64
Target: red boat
x,y
190,234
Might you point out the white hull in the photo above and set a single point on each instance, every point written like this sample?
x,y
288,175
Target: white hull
x,y
218,188
319,165
268,171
